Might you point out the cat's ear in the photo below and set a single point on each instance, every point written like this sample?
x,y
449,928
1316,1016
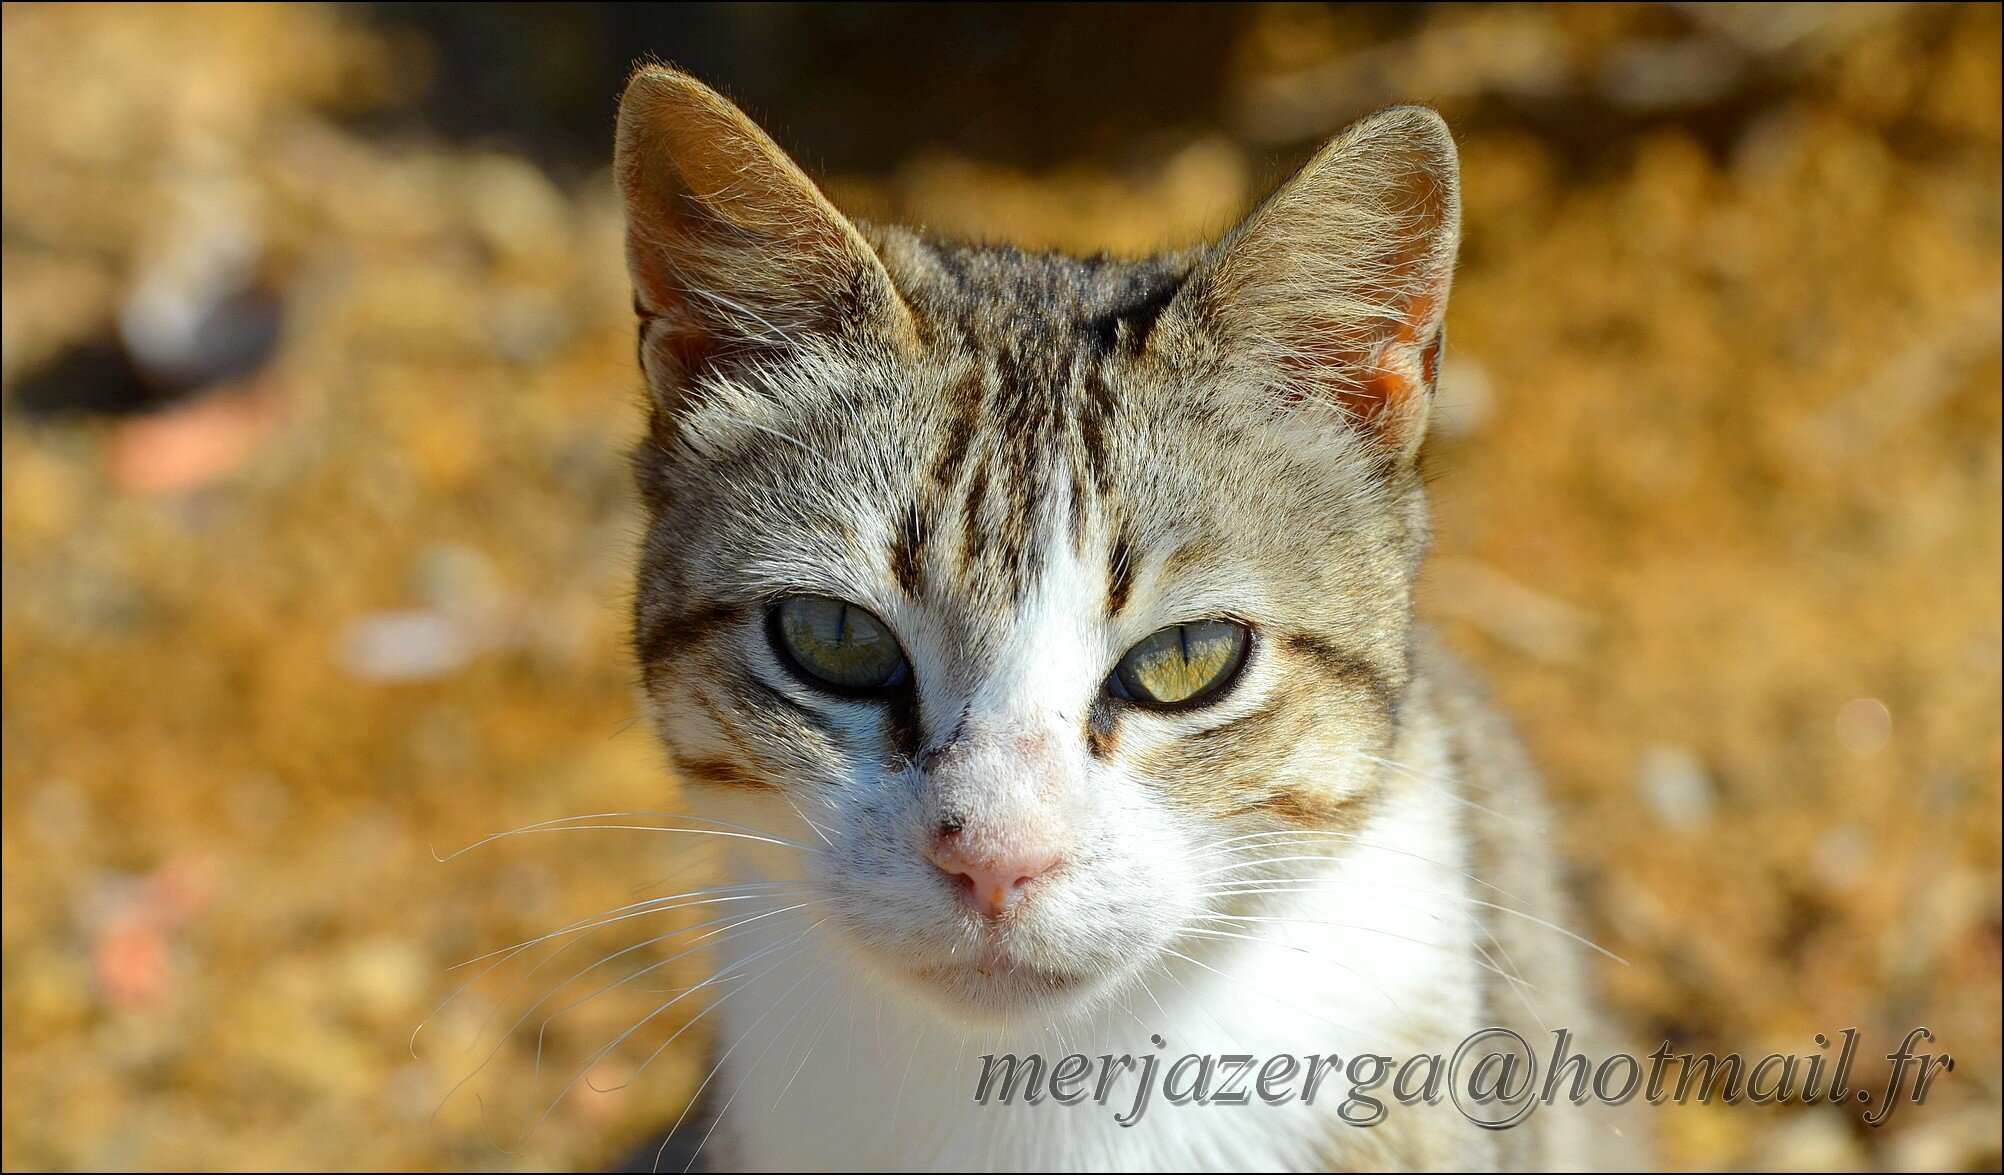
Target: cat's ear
x,y
733,251
1332,291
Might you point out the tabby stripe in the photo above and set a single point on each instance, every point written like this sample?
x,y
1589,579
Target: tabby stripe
x,y
1344,667
663,640
1102,729
721,773
907,544
755,694
1120,574
1317,811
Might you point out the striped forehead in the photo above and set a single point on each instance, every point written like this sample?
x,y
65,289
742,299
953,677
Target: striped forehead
x,y
1018,470
1023,457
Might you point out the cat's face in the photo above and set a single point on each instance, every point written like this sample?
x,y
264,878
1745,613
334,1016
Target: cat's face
x,y
1021,596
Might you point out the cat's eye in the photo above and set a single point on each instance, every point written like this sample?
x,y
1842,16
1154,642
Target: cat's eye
x,y
1183,665
837,645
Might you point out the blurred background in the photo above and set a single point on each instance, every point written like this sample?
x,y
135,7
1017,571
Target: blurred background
x,y
318,374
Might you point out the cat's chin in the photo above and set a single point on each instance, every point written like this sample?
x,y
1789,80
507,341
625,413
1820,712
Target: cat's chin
x,y
990,981
1000,991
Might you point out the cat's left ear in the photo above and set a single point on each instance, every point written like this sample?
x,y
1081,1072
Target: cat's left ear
x,y
1333,290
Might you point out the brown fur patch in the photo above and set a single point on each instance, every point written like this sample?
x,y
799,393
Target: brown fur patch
x,y
1230,767
664,640
722,773
971,544
1301,808
1259,724
903,726
1188,556
965,397
1096,409
1102,730
907,544
1344,667
1120,574
759,701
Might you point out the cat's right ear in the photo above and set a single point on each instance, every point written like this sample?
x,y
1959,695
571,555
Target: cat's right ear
x,y
733,251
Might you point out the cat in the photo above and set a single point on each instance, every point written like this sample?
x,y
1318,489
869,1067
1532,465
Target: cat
x,y
1045,628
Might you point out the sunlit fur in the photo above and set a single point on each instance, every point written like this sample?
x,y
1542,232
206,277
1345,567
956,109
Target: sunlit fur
x,y
1024,464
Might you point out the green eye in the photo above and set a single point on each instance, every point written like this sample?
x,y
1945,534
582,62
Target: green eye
x,y
1183,664
837,644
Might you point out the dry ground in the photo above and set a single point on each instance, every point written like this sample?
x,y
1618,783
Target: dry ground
x,y
1718,477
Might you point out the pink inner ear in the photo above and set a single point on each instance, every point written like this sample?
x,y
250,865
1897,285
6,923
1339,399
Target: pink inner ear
x,y
1374,383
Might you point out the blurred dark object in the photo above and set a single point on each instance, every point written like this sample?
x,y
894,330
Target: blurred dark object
x,y
861,85
182,378
860,88
220,342
97,378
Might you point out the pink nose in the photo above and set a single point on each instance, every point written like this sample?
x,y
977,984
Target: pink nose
x,y
992,882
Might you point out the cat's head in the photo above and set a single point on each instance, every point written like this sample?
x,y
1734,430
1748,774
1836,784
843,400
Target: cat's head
x,y
1025,592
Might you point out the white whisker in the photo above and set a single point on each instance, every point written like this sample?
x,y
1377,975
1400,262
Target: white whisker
x,y
573,823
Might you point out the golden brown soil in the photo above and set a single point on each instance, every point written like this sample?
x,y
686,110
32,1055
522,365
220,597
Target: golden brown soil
x,y
1718,477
